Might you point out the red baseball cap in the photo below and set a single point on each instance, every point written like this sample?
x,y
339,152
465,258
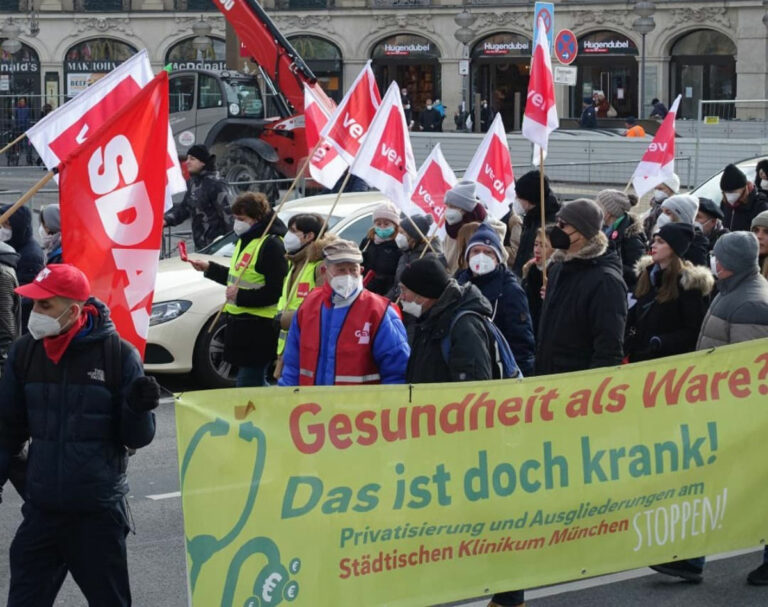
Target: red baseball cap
x,y
57,279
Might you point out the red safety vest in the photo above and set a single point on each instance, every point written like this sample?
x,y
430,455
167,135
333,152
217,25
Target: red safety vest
x,y
354,349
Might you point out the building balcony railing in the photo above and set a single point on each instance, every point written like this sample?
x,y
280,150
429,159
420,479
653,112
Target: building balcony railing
x,y
303,5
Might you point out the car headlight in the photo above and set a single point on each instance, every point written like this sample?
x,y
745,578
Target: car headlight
x,y
168,310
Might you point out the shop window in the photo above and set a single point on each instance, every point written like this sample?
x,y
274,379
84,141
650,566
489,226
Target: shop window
x,y
303,4
89,60
102,6
208,92
195,5
9,6
704,42
182,93
324,59
183,55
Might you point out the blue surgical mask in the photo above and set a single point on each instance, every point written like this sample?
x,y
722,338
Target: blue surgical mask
x,y
384,232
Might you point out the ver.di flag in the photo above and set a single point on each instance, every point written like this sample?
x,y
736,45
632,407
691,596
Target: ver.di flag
x,y
658,162
111,193
491,169
326,165
434,179
385,161
540,117
349,125
58,134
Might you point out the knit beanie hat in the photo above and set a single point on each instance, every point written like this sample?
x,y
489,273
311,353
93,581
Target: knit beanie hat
x,y
737,251
485,235
528,187
462,195
678,236
761,219
732,179
684,206
673,183
422,221
614,202
710,207
51,217
584,215
426,277
388,211
200,152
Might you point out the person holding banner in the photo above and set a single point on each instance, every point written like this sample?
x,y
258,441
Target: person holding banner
x,y
380,251
528,193
254,282
742,201
585,306
624,230
672,298
79,392
412,246
343,334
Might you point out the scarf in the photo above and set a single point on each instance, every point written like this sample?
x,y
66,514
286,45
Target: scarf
x,y
56,345
477,214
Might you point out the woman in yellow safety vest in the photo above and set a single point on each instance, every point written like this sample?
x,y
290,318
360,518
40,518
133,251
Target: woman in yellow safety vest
x,y
254,282
304,253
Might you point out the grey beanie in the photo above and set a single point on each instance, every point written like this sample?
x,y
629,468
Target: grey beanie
x,y
422,221
614,202
462,195
584,215
761,219
51,218
684,206
737,251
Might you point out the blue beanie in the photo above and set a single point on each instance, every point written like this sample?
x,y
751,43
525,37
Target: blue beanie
x,y
485,235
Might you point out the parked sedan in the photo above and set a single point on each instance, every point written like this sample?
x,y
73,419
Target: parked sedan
x,y
185,303
710,188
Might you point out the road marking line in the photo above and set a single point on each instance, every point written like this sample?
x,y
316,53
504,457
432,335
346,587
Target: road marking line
x,y
164,496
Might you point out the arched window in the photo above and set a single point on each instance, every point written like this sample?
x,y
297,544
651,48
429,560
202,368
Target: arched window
x,y
89,60
19,78
324,59
183,55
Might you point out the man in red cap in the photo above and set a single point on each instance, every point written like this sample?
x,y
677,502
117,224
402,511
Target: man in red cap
x,y
78,393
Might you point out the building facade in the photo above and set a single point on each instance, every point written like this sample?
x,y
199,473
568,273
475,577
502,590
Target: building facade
x,y
701,49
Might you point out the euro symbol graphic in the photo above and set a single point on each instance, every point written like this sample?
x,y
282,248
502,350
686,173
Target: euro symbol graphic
x,y
269,586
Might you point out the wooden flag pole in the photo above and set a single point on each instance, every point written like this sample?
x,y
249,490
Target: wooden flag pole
x,y
543,217
25,198
12,143
333,206
423,236
629,184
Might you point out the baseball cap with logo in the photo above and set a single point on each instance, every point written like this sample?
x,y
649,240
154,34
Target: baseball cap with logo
x,y
57,279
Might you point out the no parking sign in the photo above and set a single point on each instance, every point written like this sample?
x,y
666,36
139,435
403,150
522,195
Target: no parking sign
x,y
545,11
566,46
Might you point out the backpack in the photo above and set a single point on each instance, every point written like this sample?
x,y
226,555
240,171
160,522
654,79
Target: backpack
x,y
502,360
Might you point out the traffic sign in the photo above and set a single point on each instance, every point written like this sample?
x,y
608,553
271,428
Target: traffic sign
x,y
565,75
566,46
545,11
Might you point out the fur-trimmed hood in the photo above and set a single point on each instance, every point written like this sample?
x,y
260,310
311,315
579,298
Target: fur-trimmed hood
x,y
313,251
595,247
692,278
634,225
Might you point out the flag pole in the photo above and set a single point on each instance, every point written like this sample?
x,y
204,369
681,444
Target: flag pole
x,y
543,216
25,198
423,236
629,183
333,206
12,143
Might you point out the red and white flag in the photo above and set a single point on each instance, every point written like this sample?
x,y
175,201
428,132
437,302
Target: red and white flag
x,y
385,161
58,134
433,180
491,169
658,162
326,165
349,124
111,193
540,117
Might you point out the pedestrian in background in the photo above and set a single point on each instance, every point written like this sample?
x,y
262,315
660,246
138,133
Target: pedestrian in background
x,y
658,110
760,230
761,176
669,187
430,119
380,251
624,231
588,119
633,128
49,231
709,218
742,201
528,193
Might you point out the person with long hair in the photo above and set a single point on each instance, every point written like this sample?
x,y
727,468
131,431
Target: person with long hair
x,y
760,229
380,251
672,298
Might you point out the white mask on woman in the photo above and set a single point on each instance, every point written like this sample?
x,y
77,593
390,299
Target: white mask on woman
x,y
663,220
453,216
660,195
241,227
401,240
291,242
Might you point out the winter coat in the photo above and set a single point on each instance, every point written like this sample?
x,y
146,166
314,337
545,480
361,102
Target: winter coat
x,y
650,218
31,256
738,313
588,118
79,429
531,226
514,225
10,305
740,218
510,311
251,340
676,323
411,255
207,202
469,354
431,120
533,280
698,252
381,259
584,311
628,240
715,234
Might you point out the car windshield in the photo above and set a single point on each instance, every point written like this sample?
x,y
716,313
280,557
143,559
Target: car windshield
x,y
245,94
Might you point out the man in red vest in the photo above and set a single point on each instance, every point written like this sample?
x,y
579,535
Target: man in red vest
x,y
342,334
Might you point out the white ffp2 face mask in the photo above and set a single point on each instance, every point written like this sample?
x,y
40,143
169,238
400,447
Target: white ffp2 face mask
x,y
764,184
5,234
291,242
732,197
663,220
660,195
42,325
241,227
346,285
481,264
401,240
453,216
412,308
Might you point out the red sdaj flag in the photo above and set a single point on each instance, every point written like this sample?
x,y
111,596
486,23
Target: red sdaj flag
x,y
349,125
491,169
434,179
385,161
111,193
540,117
326,165
658,162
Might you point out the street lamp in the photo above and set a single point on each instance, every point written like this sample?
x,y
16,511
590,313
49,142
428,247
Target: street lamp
x,y
643,25
465,35
202,30
10,31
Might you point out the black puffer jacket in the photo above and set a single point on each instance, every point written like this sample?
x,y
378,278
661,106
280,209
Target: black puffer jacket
x,y
584,311
469,357
628,240
381,259
531,225
207,202
510,311
79,430
252,340
740,218
9,302
657,329
698,252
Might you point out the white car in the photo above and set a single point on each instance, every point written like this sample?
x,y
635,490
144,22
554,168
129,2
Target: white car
x,y
710,188
185,303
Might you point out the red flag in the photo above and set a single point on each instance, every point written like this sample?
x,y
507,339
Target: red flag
x,y
658,162
434,179
349,124
540,117
326,165
111,194
491,168
385,160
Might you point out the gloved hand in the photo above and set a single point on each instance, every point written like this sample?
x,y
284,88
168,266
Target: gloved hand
x,y
144,394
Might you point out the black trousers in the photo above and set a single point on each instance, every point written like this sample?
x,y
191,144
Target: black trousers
x,y
90,545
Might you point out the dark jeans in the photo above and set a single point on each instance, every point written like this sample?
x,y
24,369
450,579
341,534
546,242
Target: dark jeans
x,y
255,376
509,598
90,545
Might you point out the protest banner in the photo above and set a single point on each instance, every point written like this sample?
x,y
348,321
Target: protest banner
x,y
423,494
